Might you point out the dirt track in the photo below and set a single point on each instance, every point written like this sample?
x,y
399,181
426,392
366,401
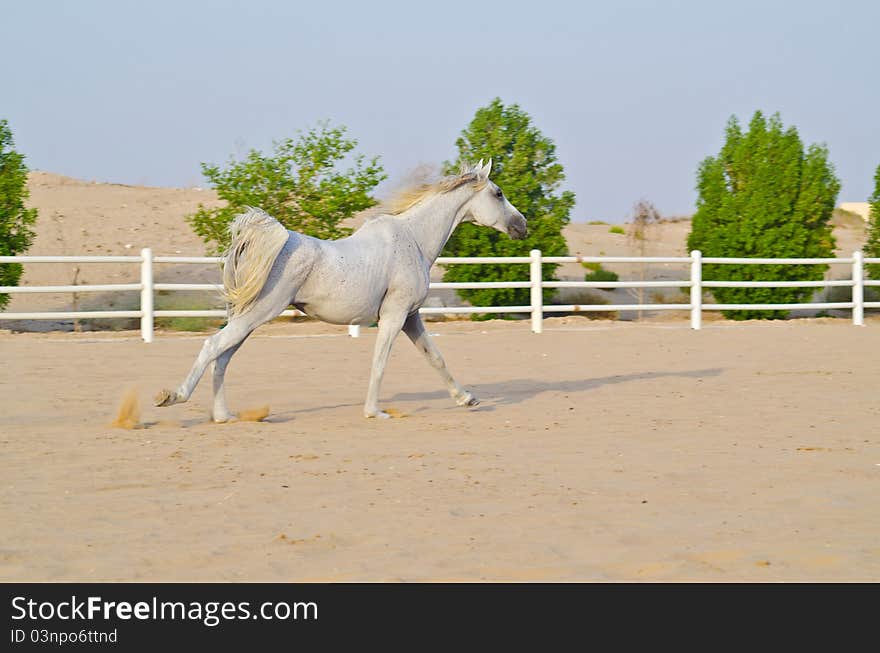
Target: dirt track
x,y
601,452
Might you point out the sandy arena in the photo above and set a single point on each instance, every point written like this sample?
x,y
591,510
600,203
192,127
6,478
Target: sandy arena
x,y
601,452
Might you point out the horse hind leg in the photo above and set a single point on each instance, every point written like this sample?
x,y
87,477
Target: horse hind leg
x,y
226,341
231,335
220,411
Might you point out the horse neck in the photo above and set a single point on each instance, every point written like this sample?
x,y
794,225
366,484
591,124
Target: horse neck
x,y
433,220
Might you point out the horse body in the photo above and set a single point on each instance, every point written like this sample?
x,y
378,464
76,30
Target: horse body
x,y
381,273
349,279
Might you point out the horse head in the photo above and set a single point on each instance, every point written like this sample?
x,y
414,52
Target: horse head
x,y
490,208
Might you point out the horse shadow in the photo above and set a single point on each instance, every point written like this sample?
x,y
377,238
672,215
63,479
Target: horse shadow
x,y
516,391
505,393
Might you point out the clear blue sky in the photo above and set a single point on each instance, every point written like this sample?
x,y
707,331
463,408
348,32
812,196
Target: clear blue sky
x,y
634,93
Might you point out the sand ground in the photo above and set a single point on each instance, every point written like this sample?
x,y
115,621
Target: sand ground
x,y
601,452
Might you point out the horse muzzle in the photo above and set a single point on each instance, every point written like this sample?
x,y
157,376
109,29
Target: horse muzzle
x,y
518,229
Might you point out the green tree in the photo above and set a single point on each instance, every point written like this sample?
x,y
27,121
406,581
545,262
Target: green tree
x,y
300,185
15,220
524,165
872,247
764,196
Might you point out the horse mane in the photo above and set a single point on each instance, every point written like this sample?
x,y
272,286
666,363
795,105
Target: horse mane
x,y
407,198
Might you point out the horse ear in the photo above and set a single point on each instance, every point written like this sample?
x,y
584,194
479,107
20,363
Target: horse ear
x,y
487,169
479,166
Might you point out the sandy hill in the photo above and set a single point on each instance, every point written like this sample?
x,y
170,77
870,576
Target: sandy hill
x,y
82,217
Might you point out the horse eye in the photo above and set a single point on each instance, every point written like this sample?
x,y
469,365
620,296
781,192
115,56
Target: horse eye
x,y
498,193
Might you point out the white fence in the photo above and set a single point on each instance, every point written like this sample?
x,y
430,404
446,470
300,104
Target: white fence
x,y
536,284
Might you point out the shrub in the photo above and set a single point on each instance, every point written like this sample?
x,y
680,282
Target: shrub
x,y
16,221
299,185
597,273
872,247
524,165
764,195
582,297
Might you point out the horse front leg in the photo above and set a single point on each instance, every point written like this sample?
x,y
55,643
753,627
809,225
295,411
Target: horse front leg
x,y
389,327
415,329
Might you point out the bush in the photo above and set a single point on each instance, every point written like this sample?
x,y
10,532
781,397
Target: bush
x,y
617,230
300,186
16,221
582,297
598,273
872,247
764,196
524,165
188,301
843,294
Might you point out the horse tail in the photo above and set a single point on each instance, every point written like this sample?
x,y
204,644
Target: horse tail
x,y
256,241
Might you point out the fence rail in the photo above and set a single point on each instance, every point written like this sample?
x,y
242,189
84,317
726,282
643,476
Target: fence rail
x,y
536,308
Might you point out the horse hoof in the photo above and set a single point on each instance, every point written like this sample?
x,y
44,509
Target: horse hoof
x,y
468,400
224,419
379,414
165,398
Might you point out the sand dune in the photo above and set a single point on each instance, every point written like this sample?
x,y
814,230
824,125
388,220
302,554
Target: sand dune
x,y
81,217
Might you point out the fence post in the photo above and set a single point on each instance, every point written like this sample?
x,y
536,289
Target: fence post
x,y
858,291
696,289
536,278
147,294
354,330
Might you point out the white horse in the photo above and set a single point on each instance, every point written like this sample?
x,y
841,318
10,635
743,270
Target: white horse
x,y
379,273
